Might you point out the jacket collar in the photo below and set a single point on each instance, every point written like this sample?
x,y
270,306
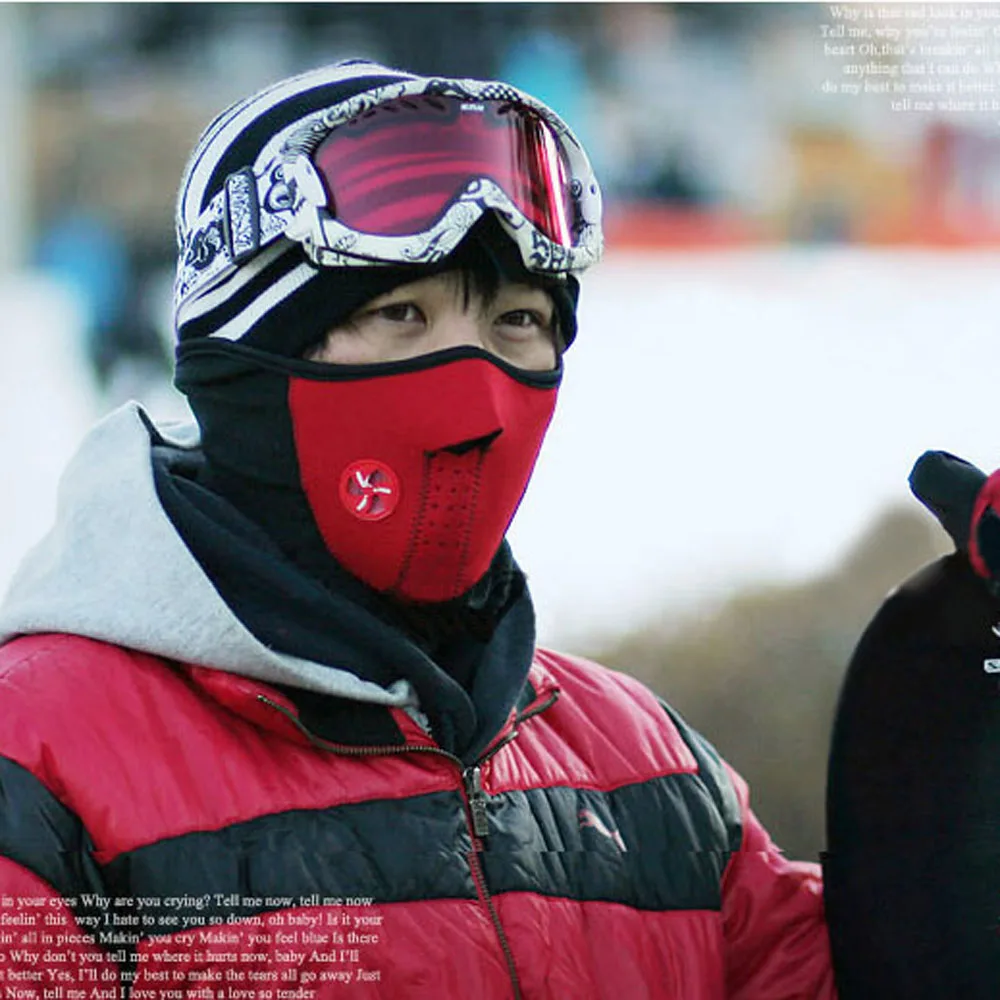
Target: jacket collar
x,y
287,713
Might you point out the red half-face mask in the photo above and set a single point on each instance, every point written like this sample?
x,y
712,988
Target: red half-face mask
x,y
414,470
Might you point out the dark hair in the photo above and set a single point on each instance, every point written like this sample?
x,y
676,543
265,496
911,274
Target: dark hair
x,y
487,258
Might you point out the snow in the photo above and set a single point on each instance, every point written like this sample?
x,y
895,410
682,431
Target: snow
x,y
724,417
46,403
744,416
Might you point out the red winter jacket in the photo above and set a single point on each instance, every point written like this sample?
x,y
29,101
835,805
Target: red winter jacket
x,y
177,828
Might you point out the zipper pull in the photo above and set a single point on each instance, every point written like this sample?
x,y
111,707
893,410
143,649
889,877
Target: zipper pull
x,y
477,802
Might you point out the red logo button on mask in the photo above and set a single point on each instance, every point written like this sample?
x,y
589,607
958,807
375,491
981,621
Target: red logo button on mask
x,y
369,490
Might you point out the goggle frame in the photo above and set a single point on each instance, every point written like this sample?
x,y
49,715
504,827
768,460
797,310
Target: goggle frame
x,y
282,195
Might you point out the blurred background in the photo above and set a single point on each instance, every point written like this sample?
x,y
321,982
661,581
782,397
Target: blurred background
x,y
799,296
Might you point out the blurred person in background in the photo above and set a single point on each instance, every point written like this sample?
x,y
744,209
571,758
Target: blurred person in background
x,y
113,280
277,668
665,152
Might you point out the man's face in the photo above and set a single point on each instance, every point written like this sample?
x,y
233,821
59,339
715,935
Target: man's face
x,y
518,324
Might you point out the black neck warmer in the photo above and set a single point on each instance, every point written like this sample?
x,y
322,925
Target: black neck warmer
x,y
436,628
467,660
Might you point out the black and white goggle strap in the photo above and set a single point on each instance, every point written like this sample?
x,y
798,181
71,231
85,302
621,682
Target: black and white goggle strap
x,y
281,195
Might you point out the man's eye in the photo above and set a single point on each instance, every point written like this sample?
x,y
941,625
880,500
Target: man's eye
x,y
399,312
523,317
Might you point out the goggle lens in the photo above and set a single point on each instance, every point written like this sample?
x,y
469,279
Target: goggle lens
x,y
396,169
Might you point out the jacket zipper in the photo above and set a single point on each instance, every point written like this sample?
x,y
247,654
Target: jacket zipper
x,y
479,877
476,800
532,710
473,779
479,822
479,816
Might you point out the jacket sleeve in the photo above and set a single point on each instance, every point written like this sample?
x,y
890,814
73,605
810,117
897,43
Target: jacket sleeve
x,y
772,911
46,877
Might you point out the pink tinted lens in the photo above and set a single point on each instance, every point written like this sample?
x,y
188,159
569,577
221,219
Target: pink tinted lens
x,y
396,169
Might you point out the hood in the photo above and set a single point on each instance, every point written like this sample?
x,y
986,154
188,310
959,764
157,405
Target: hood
x,y
113,568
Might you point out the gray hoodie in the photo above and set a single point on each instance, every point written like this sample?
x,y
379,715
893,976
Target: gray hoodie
x,y
113,568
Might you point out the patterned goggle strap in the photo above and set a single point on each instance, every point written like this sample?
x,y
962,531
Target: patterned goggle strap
x,y
400,181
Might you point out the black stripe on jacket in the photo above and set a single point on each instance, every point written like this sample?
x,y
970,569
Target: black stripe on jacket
x,y
39,833
659,844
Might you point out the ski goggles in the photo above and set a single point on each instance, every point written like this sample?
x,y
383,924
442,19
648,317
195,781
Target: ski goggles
x,y
399,175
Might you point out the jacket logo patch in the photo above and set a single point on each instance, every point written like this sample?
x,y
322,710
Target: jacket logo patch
x,y
589,818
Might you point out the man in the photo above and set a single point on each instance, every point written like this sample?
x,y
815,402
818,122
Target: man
x,y
273,715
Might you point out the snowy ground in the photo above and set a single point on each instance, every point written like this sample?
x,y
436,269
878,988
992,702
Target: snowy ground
x,y
725,417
